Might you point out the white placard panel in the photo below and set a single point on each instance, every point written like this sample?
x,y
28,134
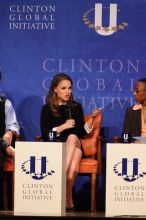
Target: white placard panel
x,y
126,179
40,179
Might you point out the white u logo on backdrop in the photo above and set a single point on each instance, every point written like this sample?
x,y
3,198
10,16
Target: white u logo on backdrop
x,y
112,20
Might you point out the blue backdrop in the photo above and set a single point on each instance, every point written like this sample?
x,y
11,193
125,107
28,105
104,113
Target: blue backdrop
x,y
39,38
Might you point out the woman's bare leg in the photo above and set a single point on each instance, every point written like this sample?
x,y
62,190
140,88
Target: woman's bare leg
x,y
74,155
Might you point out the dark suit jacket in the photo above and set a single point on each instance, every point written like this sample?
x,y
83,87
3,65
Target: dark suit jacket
x,y
132,121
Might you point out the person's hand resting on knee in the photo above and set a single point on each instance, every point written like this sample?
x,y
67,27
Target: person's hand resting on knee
x,y
10,151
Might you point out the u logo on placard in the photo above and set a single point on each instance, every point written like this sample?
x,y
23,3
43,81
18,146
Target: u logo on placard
x,y
99,18
129,170
134,171
125,136
37,168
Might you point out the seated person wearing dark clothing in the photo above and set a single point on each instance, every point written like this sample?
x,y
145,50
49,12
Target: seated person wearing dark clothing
x,y
5,149
135,117
8,129
65,116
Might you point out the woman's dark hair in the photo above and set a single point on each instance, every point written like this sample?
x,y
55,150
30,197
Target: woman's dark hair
x,y
51,97
144,81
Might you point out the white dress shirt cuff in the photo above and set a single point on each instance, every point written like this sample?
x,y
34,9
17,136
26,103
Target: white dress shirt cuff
x,y
88,130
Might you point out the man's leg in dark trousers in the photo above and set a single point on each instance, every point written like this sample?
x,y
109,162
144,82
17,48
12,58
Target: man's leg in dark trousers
x,y
2,157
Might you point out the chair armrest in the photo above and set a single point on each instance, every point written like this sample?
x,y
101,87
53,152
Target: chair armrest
x,y
38,138
116,139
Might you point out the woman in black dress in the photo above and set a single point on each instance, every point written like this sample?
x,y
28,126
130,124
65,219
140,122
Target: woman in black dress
x,y
65,116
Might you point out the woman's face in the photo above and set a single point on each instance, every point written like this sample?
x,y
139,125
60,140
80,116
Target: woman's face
x,y
140,92
63,91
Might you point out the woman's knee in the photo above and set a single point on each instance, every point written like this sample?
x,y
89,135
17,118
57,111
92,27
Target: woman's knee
x,y
73,139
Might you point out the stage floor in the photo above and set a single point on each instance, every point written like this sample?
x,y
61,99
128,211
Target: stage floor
x,y
9,215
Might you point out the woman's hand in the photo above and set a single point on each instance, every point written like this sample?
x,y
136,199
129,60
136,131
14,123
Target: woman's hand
x,y
96,112
70,123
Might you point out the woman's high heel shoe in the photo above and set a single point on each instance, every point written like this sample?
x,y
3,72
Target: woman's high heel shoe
x,y
70,209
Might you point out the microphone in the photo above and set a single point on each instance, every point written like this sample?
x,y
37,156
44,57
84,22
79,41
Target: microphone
x,y
69,105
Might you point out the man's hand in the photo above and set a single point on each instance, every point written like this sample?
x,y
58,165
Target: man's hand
x,y
8,137
10,151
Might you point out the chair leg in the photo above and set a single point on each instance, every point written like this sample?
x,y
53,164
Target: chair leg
x,y
12,190
5,190
93,187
